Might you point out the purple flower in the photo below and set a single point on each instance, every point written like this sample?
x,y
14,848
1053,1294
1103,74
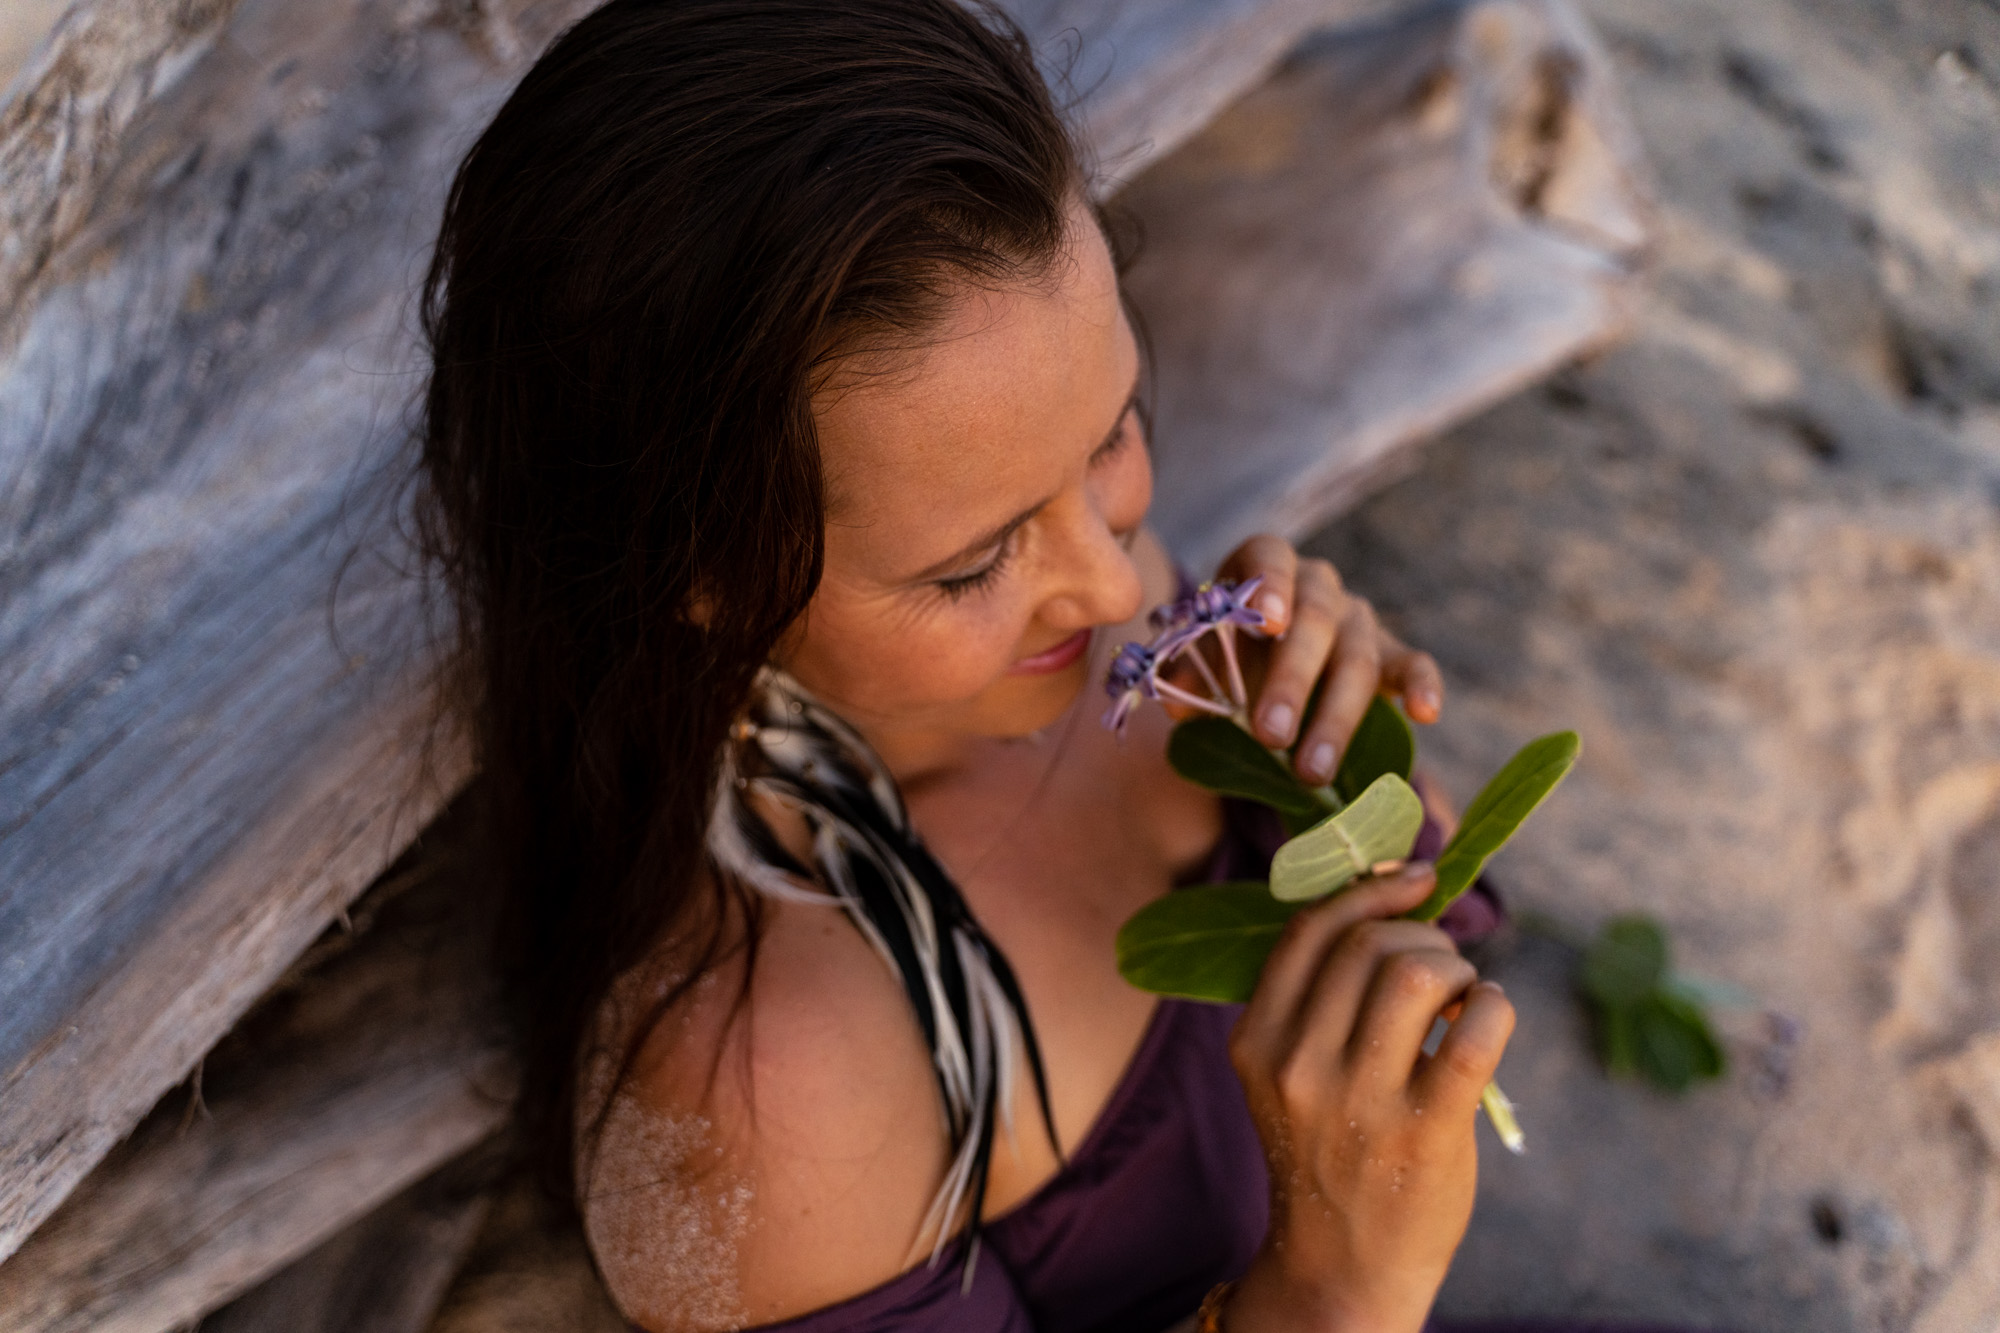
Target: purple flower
x,y
1209,607
1218,608
1133,669
1229,603
1134,675
1171,615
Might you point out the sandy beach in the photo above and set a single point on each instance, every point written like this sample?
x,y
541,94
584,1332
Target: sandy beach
x,y
1753,555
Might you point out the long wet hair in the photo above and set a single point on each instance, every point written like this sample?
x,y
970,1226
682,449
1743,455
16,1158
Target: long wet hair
x,y
685,213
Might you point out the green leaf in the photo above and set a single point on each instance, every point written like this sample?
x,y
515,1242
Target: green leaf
x,y
1627,962
1650,1022
1215,753
1499,809
1617,1040
1382,743
1381,825
1203,943
1672,1042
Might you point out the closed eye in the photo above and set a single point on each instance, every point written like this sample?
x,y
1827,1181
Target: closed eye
x,y
1120,436
957,586
964,585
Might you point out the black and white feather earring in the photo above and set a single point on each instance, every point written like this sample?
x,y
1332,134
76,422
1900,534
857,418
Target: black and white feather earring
x,y
867,859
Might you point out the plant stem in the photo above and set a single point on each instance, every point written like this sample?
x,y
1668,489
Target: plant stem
x,y
1501,1112
1181,696
1226,636
1207,672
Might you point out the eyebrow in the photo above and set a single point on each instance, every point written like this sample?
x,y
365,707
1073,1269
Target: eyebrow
x,y
1000,534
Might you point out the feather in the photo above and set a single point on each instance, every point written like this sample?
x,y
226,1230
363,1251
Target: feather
x,y
869,861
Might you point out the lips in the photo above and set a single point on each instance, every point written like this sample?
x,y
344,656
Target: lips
x,y
1053,659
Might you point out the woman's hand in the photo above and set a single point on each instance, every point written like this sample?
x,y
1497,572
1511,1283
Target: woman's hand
x,y
1370,1142
1326,637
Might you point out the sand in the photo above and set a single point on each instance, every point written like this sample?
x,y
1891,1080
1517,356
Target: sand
x,y
1754,557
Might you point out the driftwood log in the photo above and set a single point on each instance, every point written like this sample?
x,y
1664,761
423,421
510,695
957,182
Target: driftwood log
x,y
213,727
1407,221
372,1061
387,1273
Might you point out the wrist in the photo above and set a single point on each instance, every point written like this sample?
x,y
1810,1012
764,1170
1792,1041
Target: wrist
x,y
1271,1299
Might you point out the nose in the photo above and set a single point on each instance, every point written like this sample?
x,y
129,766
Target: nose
x,y
1097,582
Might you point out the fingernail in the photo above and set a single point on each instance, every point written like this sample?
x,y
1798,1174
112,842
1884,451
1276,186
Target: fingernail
x,y
1429,699
1271,605
1319,763
1278,723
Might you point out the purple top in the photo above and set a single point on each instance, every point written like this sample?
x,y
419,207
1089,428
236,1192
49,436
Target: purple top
x,y
1163,1199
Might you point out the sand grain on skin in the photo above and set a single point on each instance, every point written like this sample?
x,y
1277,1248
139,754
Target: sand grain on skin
x,y
665,1223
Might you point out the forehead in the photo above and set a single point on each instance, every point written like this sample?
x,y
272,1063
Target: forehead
x,y
927,448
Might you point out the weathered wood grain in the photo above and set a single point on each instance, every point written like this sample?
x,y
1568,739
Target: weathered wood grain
x,y
60,130
23,25
204,753
216,215
1407,222
1146,74
374,1061
386,1273
530,1272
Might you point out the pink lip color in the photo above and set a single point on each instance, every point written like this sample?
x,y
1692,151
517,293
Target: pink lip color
x,y
1054,659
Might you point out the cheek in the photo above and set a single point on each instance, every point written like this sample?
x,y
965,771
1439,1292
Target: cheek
x,y
882,660
953,655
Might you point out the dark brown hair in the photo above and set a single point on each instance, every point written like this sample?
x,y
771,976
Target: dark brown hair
x,y
686,210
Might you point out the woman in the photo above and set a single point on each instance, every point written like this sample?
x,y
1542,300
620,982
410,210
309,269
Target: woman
x,y
785,460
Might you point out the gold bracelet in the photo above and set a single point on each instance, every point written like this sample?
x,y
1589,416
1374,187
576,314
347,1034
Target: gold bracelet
x,y
1209,1318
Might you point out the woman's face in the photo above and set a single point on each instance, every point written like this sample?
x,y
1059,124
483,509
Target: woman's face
x,y
983,494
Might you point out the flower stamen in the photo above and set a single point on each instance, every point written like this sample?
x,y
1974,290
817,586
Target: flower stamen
x,y
1179,627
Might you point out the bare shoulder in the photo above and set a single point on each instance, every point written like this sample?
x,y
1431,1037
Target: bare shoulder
x,y
773,1150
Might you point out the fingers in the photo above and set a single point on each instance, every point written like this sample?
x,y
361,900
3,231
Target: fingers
x,y
1305,950
1302,949
1350,686
1406,996
1451,1081
1320,630
1319,603
1415,677
1381,972
1274,560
